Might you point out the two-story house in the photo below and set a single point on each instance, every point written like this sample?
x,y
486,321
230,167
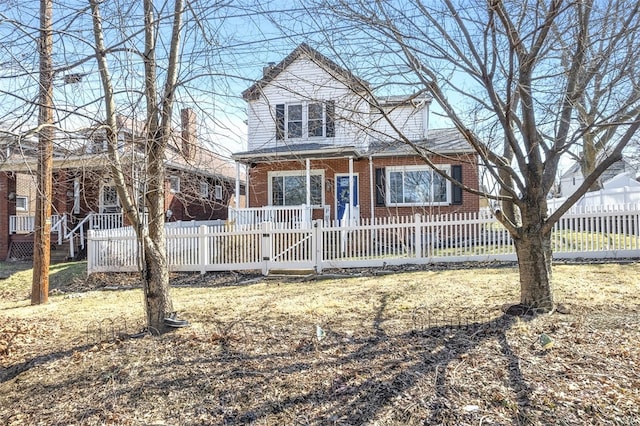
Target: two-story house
x,y
199,183
320,141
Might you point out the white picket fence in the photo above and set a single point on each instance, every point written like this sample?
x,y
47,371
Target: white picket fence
x,y
594,233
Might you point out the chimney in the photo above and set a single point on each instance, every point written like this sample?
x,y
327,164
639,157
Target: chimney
x,y
266,70
189,138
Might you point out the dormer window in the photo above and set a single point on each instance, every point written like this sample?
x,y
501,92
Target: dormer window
x,y
305,120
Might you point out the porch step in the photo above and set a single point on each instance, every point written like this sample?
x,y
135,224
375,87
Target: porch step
x,y
292,272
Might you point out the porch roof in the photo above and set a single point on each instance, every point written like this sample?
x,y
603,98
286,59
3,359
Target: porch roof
x,y
208,166
297,151
30,164
438,141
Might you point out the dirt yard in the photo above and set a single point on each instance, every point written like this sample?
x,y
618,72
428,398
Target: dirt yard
x,y
394,347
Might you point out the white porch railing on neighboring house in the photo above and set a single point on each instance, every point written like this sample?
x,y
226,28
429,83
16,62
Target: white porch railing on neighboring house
x,y
105,220
61,227
298,216
606,233
27,224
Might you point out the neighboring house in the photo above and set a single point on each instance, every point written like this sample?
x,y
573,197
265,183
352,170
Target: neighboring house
x,y
199,183
318,139
619,185
573,178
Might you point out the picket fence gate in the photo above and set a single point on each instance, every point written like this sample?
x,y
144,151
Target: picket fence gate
x,y
590,233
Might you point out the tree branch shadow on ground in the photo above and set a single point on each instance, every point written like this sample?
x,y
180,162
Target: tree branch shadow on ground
x,y
349,385
418,353
11,372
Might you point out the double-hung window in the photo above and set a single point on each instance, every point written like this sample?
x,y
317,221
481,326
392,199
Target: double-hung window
x,y
174,184
305,120
22,203
417,186
290,188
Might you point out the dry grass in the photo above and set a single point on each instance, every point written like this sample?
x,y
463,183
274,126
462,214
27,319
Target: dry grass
x,y
392,353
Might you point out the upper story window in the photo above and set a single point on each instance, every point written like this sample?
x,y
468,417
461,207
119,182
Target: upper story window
x,y
174,184
22,203
305,120
204,189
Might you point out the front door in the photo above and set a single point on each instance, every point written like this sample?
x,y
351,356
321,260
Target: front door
x,y
342,194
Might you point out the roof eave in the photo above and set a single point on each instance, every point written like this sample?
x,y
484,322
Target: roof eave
x,y
296,155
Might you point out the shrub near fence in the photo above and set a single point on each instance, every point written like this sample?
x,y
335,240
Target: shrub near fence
x,y
606,232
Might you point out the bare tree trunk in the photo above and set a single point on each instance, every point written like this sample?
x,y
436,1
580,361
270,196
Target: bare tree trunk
x,y
533,248
42,237
158,302
589,159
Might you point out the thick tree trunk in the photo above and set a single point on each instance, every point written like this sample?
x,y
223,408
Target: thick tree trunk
x,y
533,248
156,286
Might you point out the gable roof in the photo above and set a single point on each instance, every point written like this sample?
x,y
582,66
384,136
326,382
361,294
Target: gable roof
x,y
304,50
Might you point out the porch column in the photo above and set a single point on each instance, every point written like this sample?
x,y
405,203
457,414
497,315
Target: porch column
x,y
372,193
246,186
351,206
308,165
237,185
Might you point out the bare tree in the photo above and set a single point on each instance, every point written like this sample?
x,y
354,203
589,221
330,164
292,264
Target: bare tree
x,y
159,105
524,82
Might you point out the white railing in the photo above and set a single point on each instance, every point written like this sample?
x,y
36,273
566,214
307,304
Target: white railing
x,y
607,233
105,220
297,216
60,226
27,224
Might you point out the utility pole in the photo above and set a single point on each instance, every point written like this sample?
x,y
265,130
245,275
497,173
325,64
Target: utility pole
x,y
42,237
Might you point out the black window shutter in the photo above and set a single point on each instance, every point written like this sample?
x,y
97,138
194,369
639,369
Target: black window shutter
x,y
456,174
280,121
330,128
380,187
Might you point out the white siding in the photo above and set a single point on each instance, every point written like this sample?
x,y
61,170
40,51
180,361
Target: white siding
x,y
304,81
410,120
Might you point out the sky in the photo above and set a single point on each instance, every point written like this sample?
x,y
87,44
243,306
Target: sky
x,y
227,52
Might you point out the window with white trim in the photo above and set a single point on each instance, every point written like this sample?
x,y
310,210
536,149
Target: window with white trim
x,y
290,188
174,183
22,203
417,186
109,201
218,191
305,120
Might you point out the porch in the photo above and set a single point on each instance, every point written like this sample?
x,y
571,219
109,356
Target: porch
x,y
68,233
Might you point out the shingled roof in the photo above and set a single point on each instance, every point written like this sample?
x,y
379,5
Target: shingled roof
x,y
304,50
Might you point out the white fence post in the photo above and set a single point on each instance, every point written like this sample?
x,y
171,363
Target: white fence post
x,y
317,245
91,249
266,246
204,249
417,227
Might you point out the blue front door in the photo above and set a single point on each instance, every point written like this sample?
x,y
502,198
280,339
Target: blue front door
x,y
342,194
